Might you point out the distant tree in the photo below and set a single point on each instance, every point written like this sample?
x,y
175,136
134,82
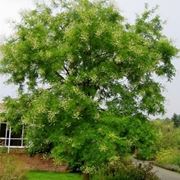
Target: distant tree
x,y
86,80
176,120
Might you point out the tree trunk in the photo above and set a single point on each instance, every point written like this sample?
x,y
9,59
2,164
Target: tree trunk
x,y
86,177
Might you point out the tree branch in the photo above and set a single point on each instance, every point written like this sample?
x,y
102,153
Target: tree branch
x,y
59,76
66,70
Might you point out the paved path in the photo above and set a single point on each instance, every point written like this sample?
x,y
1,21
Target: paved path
x,y
162,173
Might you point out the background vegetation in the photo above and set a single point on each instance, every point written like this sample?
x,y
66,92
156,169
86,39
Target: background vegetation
x,y
168,144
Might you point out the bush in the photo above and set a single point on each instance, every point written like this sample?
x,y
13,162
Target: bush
x,y
10,169
169,144
169,157
3,150
168,135
119,170
144,138
146,153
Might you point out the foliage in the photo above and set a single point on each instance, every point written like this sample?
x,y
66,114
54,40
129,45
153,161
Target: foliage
x,y
85,79
112,136
3,150
124,171
169,157
168,136
144,138
168,145
10,169
176,120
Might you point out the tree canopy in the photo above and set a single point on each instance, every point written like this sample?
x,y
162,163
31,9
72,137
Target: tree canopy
x,y
86,79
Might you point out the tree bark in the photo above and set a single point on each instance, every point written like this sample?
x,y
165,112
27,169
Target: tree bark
x,y
86,177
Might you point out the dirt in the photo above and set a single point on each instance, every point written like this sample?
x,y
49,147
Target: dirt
x,y
37,162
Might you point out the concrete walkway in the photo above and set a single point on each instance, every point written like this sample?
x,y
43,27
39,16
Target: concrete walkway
x,y
164,174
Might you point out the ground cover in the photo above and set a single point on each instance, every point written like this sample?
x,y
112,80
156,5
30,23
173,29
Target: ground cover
x,y
34,175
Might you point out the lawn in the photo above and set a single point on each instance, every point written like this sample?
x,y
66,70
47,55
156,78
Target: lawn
x,y
40,175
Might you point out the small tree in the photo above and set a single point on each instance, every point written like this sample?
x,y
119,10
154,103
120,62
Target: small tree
x,y
176,120
87,75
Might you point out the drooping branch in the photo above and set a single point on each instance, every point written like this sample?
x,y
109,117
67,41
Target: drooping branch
x,y
60,76
65,68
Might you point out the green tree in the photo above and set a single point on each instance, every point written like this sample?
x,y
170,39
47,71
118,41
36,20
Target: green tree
x,y
176,120
84,74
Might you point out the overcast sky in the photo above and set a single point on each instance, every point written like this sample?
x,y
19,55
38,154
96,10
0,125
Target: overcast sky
x,y
168,10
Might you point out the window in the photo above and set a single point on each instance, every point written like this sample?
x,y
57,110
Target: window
x,y
3,135
10,139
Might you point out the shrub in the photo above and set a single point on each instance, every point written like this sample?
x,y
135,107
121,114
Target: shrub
x,y
168,135
10,169
144,138
169,157
3,150
146,153
125,171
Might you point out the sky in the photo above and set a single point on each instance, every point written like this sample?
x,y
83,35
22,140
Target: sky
x,y
168,10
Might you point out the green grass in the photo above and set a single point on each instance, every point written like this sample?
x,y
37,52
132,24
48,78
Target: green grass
x,y
40,175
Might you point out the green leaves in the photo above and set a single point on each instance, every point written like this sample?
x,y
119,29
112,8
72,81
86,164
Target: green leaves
x,y
89,80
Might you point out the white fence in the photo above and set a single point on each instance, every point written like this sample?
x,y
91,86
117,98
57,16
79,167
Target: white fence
x,y
10,139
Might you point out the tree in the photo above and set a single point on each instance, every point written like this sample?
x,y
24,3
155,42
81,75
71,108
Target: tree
x,y
176,120
84,74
